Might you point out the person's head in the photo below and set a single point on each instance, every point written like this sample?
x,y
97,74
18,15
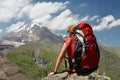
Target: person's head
x,y
71,29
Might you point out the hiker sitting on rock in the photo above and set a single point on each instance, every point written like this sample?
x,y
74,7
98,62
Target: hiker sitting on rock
x,y
81,48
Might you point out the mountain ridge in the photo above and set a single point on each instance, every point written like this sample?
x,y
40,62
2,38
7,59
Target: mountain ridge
x,y
33,32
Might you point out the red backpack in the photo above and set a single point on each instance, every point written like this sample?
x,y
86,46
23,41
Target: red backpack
x,y
86,51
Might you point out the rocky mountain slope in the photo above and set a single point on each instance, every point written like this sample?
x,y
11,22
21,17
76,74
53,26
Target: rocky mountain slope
x,y
109,62
33,32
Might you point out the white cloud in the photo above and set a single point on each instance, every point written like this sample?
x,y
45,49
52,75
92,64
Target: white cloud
x,y
1,30
61,21
46,9
10,8
94,17
15,27
44,15
89,18
86,18
24,11
98,20
83,5
107,23
17,9
42,12
114,23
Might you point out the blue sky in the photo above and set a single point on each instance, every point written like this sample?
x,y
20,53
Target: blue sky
x,y
103,15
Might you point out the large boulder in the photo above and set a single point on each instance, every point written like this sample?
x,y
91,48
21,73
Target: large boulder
x,y
67,76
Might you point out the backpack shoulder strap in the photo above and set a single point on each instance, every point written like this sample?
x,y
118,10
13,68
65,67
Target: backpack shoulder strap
x,y
79,34
96,45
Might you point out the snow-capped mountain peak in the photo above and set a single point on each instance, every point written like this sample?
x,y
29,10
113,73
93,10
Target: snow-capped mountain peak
x,y
33,32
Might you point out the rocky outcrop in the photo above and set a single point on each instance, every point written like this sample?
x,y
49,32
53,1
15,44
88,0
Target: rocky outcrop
x,y
66,76
9,70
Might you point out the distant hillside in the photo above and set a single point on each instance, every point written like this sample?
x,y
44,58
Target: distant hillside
x,y
33,60
117,50
110,61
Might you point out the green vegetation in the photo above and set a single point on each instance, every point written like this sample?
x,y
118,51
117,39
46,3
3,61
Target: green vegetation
x,y
23,58
24,55
2,79
37,59
109,63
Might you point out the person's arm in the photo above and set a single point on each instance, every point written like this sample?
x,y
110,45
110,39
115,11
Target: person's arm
x,y
59,59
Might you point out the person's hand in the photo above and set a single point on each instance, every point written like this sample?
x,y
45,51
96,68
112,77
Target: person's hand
x,y
51,73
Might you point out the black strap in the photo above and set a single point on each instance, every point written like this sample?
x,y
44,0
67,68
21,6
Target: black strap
x,y
66,59
97,48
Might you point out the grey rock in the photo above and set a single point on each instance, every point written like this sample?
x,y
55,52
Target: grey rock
x,y
66,76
